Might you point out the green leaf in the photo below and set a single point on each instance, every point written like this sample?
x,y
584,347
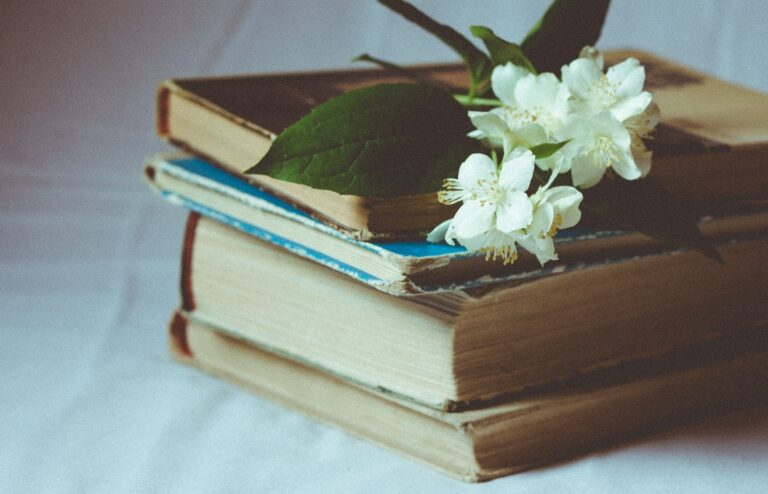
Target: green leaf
x,y
477,62
567,26
547,149
644,206
385,140
501,51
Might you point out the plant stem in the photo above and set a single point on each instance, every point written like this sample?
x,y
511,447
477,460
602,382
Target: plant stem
x,y
467,100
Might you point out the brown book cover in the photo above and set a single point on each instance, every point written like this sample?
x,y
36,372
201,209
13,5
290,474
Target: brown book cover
x,y
711,145
455,349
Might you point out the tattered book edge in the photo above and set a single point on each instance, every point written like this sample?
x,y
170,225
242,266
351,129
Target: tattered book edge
x,y
738,364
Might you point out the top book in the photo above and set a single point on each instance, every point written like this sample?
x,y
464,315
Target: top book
x,y
711,146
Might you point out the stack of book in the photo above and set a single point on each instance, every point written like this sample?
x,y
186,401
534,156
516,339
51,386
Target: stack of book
x,y
335,305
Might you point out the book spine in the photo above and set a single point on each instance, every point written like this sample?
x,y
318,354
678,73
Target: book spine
x,y
177,336
185,283
163,107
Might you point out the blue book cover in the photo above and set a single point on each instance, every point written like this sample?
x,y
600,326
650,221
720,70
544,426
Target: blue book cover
x,y
197,185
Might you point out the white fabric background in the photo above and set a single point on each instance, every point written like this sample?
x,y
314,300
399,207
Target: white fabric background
x,y
90,400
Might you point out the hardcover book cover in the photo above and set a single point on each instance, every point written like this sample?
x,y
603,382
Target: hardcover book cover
x,y
710,147
398,267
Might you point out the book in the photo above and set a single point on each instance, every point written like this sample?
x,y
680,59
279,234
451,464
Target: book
x,y
397,267
529,430
711,145
453,350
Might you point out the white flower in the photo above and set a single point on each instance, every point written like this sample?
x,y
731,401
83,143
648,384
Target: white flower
x,y
497,213
596,144
602,118
495,204
554,209
504,79
640,127
491,197
541,99
495,243
530,99
611,115
600,142
619,91
493,127
533,108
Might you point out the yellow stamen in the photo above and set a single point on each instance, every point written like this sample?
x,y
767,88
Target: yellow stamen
x,y
506,253
557,221
453,192
605,91
602,151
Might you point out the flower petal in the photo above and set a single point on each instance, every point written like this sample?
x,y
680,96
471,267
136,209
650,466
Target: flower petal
x,y
565,201
437,234
489,123
628,77
526,136
561,160
617,133
592,53
559,107
503,81
542,220
473,218
495,244
604,124
477,172
542,248
546,250
534,91
642,157
625,166
514,213
474,244
579,76
585,172
517,171
631,106
450,235
651,116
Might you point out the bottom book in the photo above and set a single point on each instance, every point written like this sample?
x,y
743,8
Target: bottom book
x,y
534,428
